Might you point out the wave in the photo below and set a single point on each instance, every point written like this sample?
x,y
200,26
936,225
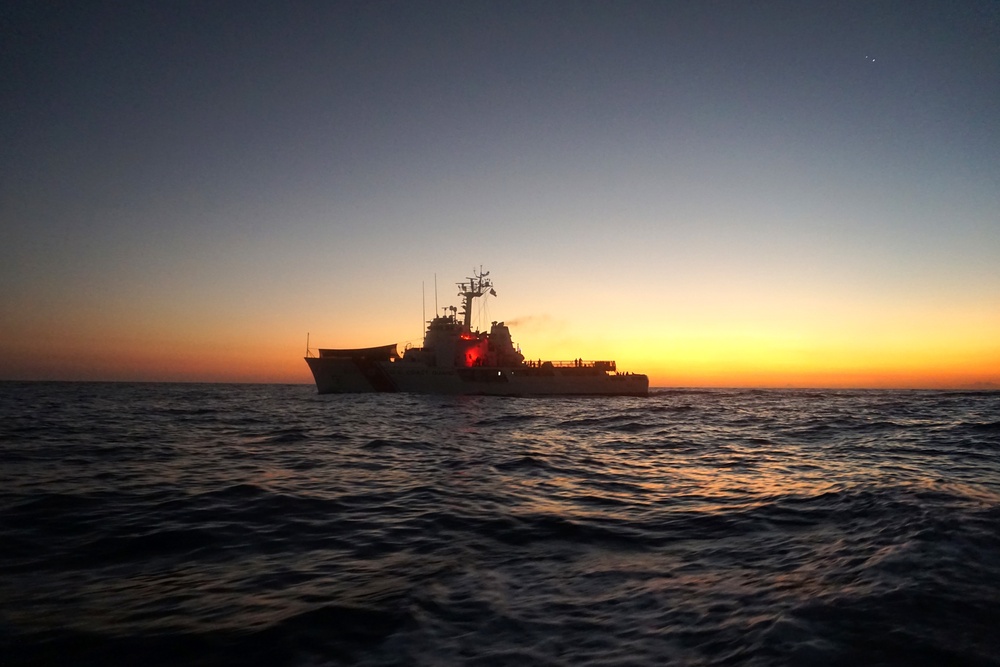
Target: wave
x,y
988,427
380,443
256,525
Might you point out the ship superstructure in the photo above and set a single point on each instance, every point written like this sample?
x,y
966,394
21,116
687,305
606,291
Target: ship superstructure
x,y
455,359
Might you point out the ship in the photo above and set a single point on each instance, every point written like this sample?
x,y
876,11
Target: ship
x,y
457,360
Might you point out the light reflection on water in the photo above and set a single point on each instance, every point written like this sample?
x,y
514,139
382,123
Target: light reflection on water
x,y
698,527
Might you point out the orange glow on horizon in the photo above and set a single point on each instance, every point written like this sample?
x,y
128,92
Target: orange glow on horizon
x,y
949,352
283,364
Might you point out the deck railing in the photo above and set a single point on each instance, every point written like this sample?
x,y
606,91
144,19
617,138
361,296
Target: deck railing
x,y
575,363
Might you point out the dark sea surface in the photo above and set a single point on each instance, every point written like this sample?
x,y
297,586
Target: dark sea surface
x,y
169,524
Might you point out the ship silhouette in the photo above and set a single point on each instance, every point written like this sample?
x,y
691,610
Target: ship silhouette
x,y
454,359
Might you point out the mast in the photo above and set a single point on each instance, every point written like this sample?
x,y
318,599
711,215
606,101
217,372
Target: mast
x,y
474,287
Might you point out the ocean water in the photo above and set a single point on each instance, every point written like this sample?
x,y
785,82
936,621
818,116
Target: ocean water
x,y
168,524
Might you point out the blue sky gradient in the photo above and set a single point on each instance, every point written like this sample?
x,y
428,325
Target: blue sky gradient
x,y
651,179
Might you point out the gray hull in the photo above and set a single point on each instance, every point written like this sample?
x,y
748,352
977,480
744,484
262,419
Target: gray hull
x,y
336,375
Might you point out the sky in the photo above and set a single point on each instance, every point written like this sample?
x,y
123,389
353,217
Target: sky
x,y
715,193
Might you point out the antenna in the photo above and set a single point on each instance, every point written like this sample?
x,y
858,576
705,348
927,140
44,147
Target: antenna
x,y
435,295
477,285
423,306
307,343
